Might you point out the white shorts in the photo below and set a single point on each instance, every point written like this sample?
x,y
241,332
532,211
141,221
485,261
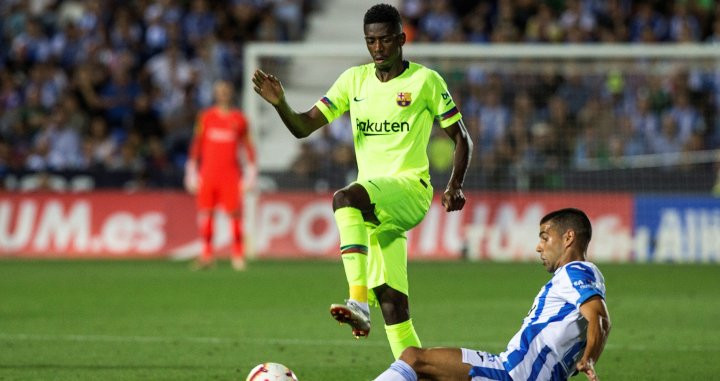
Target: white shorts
x,y
485,366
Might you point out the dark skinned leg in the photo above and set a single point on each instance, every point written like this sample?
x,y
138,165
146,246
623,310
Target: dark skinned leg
x,y
393,303
355,196
437,363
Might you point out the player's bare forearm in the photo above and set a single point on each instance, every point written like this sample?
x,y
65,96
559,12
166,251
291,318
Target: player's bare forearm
x,y
595,312
453,198
299,124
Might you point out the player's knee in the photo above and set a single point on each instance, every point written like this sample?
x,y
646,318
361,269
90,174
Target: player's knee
x,y
417,359
413,357
341,199
353,196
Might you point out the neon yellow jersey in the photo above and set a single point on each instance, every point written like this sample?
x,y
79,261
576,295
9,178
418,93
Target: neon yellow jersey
x,y
391,120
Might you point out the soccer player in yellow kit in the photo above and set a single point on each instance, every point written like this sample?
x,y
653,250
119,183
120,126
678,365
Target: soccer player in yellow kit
x,y
392,104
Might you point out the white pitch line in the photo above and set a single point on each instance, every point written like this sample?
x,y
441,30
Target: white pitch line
x,y
299,342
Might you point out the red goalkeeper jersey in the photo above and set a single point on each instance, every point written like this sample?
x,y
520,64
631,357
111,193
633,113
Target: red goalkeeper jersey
x,y
217,136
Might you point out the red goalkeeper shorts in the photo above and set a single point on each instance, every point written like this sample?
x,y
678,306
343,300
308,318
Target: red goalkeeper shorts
x,y
223,191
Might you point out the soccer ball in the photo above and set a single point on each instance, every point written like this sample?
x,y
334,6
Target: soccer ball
x,y
271,371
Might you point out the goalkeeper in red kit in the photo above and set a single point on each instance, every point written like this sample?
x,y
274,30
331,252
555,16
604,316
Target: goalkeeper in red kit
x,y
213,172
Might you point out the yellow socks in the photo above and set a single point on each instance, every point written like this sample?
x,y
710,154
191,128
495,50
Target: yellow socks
x,y
401,336
353,249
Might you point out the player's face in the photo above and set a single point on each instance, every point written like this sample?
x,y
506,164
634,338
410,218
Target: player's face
x,y
550,246
223,93
384,42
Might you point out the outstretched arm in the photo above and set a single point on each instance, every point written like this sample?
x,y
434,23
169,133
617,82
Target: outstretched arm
x,y
595,312
299,124
251,172
453,198
191,178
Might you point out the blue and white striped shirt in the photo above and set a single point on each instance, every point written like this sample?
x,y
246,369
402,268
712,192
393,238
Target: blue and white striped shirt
x,y
553,335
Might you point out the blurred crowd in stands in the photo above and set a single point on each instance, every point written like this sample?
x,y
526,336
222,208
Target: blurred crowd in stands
x,y
561,21
108,86
114,86
565,116
533,125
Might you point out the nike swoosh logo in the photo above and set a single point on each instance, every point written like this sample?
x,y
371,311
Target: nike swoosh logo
x,y
358,100
370,181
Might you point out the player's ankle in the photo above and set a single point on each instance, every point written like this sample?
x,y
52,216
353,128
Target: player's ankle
x,y
364,306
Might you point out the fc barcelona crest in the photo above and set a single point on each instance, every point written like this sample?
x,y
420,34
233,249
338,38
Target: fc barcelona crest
x,y
404,99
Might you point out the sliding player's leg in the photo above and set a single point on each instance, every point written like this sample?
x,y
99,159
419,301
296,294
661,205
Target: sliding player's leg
x,y
433,363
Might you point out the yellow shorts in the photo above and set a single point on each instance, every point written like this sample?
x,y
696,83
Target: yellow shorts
x,y
400,204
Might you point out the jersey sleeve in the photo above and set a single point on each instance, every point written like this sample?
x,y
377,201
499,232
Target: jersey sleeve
x,y
584,283
441,104
336,100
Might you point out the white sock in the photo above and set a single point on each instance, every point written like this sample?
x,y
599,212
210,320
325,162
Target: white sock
x,y
363,306
398,371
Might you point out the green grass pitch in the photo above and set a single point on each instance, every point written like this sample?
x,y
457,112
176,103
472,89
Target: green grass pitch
x,y
156,320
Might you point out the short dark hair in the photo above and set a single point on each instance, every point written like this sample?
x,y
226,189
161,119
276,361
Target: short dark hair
x,y
382,13
571,218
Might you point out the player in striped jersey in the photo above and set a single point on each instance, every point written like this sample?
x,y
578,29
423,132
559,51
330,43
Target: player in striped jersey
x,y
564,332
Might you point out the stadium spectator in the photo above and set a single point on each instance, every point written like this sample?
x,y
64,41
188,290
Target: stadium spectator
x,y
128,158
117,98
567,326
145,120
575,89
629,141
476,24
589,147
99,147
682,23
32,45
439,22
170,73
687,119
668,141
543,26
714,38
493,122
199,22
304,171
576,15
643,119
69,46
647,21
214,173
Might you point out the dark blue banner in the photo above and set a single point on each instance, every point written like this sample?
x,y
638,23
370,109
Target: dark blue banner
x,y
677,229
